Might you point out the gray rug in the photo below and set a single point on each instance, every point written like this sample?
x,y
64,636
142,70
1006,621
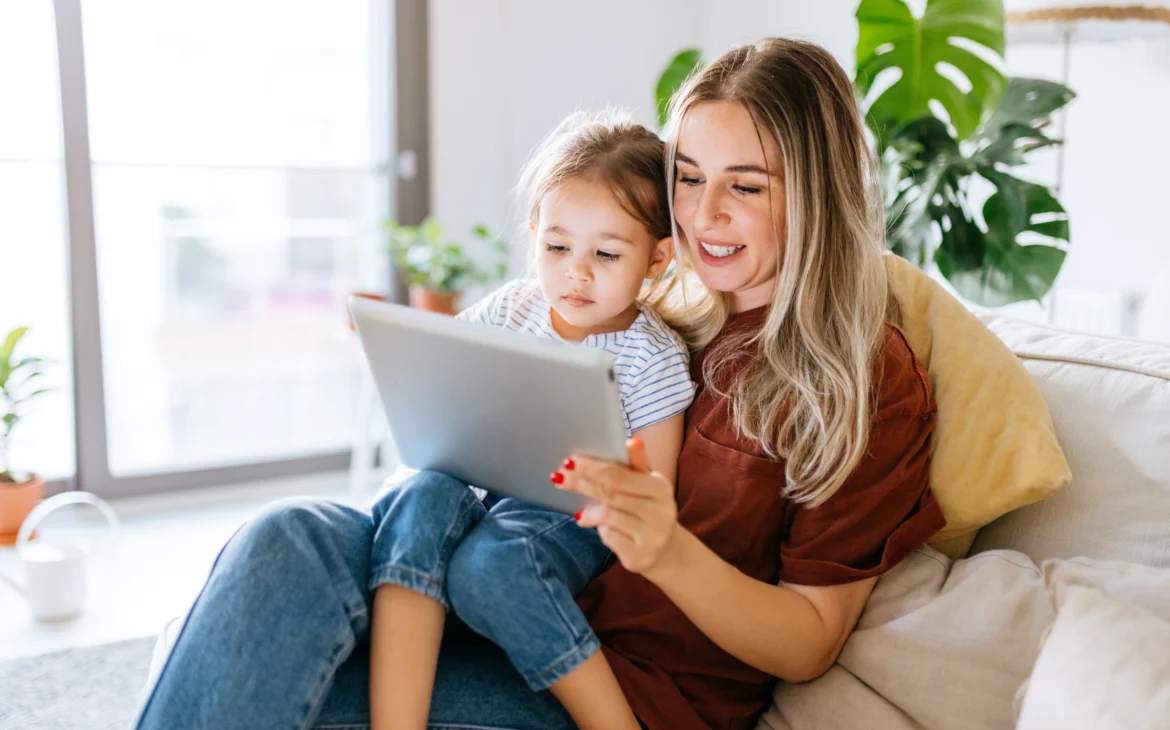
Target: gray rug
x,y
89,688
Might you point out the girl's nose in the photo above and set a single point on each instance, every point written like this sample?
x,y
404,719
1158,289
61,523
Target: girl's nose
x,y
579,270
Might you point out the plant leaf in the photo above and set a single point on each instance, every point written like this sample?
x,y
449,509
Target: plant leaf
x,y
890,37
673,76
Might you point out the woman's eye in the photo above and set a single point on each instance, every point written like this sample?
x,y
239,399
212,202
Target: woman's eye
x,y
746,189
607,256
555,248
689,181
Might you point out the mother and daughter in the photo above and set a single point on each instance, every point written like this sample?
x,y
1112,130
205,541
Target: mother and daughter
x,y
779,461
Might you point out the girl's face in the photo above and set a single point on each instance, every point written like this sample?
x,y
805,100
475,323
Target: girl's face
x,y
729,201
592,259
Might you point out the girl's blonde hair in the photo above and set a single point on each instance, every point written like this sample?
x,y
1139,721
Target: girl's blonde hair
x,y
808,397
611,149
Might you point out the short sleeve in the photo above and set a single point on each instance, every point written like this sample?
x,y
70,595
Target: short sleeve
x,y
885,510
493,309
659,389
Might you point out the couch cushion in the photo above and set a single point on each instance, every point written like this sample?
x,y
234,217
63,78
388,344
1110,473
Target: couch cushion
x,y
1105,664
948,648
1110,402
994,447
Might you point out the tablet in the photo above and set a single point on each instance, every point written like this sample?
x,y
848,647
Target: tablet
x,y
497,409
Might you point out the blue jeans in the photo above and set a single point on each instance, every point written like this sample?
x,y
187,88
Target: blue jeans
x,y
278,637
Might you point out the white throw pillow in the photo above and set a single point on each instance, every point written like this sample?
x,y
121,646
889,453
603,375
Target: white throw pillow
x,y
948,648
1105,666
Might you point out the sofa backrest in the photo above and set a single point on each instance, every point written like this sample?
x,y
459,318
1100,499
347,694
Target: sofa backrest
x,y
1110,403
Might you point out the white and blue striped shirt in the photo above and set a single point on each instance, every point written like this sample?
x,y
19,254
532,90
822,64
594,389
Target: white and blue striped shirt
x,y
651,362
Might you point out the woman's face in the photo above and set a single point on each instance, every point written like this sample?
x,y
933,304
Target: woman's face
x,y
729,201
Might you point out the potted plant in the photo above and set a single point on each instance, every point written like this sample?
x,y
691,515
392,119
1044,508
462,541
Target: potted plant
x,y
439,270
19,492
952,198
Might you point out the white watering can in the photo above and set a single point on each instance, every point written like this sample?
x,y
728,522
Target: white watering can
x,y
56,573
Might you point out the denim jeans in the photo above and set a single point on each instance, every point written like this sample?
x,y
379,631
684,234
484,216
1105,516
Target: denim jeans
x,y
278,638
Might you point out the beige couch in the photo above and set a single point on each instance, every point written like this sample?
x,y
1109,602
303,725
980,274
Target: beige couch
x,y
961,645
1060,615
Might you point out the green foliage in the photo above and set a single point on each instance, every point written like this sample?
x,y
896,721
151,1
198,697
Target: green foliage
x,y
19,379
429,260
890,37
672,77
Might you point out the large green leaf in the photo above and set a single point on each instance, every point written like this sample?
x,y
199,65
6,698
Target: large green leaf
x,y
890,37
673,76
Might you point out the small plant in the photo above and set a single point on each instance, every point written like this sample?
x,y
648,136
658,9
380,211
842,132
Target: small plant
x,y
429,261
18,381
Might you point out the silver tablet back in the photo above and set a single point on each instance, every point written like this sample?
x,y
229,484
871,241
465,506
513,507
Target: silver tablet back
x,y
497,409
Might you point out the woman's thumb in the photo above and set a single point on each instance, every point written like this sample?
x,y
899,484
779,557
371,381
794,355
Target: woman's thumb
x,y
637,453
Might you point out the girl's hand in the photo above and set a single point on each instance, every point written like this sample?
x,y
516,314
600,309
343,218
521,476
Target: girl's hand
x,y
633,508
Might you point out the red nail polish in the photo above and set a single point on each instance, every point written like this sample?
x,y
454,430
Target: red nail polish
x,y
570,464
577,516
556,477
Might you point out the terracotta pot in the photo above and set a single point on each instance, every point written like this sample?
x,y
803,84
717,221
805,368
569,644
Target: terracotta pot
x,y
376,296
431,301
16,501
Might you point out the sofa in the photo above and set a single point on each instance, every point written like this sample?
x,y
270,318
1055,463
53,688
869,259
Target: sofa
x,y
1059,616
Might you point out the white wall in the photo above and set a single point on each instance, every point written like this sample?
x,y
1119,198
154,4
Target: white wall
x,y
503,72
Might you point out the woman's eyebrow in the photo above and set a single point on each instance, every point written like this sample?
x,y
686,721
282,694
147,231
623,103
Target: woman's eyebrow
x,y
680,157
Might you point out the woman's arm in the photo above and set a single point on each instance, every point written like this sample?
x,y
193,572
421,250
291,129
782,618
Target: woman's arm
x,y
792,632
789,631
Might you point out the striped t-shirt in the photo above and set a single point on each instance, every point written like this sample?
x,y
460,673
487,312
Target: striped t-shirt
x,y
651,363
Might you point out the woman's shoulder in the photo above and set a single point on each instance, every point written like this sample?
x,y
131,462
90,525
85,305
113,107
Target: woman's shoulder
x,y
903,385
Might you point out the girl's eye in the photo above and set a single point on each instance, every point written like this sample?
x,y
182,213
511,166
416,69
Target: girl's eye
x,y
746,189
554,248
689,181
607,256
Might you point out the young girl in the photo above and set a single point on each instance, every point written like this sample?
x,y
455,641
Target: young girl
x,y
598,209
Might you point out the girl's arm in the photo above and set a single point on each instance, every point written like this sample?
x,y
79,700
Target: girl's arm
x,y
791,632
663,441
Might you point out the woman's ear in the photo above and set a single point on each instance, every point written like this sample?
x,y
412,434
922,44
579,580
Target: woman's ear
x,y
660,257
532,225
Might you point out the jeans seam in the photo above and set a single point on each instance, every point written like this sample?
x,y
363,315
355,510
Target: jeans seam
x,y
411,579
343,650
562,665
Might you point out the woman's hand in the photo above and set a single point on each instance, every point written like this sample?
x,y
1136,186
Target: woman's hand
x,y
633,508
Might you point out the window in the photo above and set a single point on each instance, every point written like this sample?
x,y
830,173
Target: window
x,y
238,184
34,269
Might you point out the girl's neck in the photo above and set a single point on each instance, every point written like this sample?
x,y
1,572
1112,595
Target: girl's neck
x,y
572,333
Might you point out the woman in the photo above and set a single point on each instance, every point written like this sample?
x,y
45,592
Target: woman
x,y
802,478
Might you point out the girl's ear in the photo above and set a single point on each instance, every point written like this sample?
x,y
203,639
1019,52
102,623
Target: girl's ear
x,y
532,225
660,257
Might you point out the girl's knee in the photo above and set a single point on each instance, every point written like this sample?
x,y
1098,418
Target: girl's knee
x,y
481,574
424,493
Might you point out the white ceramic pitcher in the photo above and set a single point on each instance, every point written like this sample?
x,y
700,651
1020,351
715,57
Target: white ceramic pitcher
x,y
56,572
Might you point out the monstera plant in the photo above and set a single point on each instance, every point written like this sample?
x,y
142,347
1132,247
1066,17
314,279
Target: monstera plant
x,y
950,130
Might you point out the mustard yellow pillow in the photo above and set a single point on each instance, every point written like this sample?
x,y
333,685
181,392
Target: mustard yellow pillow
x,y
994,447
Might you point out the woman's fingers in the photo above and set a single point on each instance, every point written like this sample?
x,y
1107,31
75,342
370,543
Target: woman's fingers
x,y
598,479
596,515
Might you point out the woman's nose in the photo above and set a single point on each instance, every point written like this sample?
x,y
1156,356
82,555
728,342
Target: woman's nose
x,y
708,211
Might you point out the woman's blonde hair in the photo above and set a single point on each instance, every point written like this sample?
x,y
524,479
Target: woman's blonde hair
x,y
611,149
808,397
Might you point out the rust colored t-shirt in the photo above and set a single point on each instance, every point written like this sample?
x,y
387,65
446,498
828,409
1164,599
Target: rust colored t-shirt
x,y
729,496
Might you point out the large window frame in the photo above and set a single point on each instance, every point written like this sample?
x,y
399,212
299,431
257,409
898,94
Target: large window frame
x,y
402,114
